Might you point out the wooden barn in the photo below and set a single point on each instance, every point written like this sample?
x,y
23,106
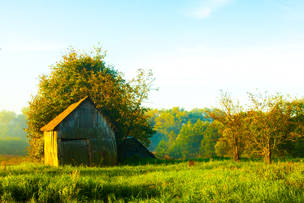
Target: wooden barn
x,y
80,135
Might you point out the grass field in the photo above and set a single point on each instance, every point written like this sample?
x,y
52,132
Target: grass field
x,y
216,181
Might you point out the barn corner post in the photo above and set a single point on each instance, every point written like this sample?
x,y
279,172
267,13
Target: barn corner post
x,y
50,148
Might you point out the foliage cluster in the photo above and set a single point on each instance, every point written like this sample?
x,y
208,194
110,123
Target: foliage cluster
x,y
12,125
271,126
78,75
263,129
183,134
219,181
12,136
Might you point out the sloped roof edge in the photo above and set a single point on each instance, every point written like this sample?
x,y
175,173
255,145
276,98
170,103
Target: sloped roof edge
x,y
59,118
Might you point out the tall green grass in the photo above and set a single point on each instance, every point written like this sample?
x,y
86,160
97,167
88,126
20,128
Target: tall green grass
x,y
217,181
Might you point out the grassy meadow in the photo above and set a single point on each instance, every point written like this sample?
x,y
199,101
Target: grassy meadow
x,y
200,181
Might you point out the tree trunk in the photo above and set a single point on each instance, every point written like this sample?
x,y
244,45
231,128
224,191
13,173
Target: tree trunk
x,y
236,155
267,156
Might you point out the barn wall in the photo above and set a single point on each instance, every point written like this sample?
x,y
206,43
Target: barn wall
x,y
50,148
86,129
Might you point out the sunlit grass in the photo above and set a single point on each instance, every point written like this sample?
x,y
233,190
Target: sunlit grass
x,y
226,181
13,160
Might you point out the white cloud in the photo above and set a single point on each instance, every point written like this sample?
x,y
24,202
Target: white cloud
x,y
202,13
207,7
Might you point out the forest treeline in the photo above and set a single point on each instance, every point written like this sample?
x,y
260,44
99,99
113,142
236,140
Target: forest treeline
x,y
270,126
12,136
179,133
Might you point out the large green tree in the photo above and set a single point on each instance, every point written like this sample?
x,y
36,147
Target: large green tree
x,y
233,133
273,123
77,75
211,136
295,148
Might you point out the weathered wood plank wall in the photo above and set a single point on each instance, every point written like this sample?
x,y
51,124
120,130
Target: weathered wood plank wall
x,y
86,130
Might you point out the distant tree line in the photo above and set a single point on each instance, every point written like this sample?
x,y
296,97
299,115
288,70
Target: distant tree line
x,y
270,126
183,134
12,136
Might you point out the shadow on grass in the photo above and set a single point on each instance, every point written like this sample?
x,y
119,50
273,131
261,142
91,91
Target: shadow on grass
x,y
125,192
40,190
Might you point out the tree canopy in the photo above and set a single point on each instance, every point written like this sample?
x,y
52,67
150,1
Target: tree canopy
x,y
183,134
270,126
12,136
78,75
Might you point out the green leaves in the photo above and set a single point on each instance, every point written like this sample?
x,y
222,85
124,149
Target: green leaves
x,y
182,132
78,75
264,128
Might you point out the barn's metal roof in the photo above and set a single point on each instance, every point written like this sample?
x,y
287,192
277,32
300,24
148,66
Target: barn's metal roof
x,y
58,119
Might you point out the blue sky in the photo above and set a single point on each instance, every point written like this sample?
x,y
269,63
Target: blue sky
x,y
194,47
